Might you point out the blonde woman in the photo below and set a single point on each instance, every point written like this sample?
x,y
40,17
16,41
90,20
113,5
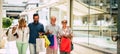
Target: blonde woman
x,y
22,32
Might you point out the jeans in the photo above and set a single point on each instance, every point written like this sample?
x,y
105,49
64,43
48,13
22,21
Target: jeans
x,y
32,48
22,47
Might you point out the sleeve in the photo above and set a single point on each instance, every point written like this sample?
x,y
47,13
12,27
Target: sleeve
x,y
29,25
71,33
28,32
16,33
70,30
60,33
46,29
43,29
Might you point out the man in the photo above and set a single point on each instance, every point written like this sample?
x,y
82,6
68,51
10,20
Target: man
x,y
52,29
36,28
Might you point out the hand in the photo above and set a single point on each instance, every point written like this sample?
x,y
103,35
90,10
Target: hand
x,y
50,32
40,33
14,29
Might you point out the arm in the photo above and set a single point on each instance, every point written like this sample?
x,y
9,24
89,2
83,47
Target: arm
x,y
28,31
42,30
70,34
47,30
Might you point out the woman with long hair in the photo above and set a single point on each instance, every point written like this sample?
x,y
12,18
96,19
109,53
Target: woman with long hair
x,y
22,32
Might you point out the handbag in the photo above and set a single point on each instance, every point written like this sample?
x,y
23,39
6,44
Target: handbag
x,y
55,43
65,44
2,43
40,45
47,42
51,39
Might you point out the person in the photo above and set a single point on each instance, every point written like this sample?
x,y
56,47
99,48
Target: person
x,y
36,29
22,32
53,29
10,38
65,33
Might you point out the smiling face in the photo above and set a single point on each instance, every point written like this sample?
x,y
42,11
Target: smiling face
x,y
64,23
53,20
36,19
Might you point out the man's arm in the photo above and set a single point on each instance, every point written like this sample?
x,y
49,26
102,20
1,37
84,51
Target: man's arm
x,y
42,32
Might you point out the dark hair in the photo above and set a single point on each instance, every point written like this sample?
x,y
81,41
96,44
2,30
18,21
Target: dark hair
x,y
35,15
64,21
7,32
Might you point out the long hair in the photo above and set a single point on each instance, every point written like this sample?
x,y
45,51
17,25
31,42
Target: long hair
x,y
22,23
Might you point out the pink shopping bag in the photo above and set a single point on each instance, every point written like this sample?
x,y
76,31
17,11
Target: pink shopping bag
x,y
55,43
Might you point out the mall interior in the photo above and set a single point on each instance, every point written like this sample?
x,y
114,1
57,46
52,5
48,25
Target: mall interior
x,y
93,22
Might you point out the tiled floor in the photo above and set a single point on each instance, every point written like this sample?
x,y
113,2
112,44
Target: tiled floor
x,y
12,49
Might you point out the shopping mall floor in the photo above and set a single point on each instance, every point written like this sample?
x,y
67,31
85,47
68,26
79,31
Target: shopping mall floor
x,y
82,45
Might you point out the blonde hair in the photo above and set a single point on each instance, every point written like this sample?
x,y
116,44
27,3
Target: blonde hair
x,y
22,23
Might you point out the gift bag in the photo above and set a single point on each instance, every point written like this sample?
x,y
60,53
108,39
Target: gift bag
x,y
47,42
55,43
40,45
65,44
2,43
51,39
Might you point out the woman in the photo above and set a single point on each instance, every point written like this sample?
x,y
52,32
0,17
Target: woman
x,y
22,32
10,38
65,38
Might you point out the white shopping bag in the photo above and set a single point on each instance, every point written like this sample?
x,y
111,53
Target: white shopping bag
x,y
2,43
40,45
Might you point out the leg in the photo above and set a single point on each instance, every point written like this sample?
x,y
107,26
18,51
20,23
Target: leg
x,y
58,50
19,45
49,51
61,52
24,48
32,48
55,51
67,52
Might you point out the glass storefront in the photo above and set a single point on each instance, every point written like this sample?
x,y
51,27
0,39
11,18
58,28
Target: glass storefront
x,y
98,23
93,22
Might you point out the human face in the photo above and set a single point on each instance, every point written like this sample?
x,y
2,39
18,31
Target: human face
x,y
53,20
64,23
36,19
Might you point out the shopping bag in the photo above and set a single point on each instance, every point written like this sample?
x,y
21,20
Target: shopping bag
x,y
51,39
2,43
55,46
47,42
65,44
40,45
